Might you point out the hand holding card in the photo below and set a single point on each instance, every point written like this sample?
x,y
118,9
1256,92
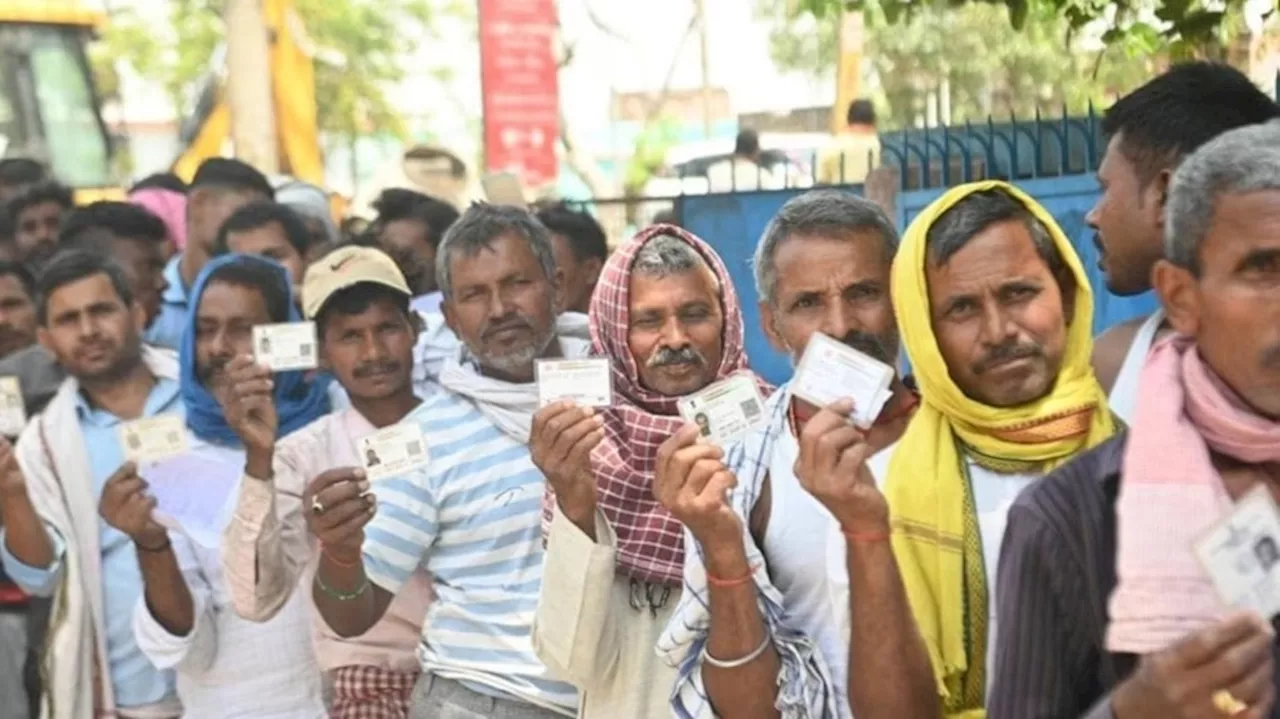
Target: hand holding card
x,y
392,451
285,346
830,371
726,410
1242,554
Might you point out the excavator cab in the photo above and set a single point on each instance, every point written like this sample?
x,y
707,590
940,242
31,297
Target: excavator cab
x,y
49,109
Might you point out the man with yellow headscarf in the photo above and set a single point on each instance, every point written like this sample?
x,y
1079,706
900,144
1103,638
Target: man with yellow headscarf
x,y
995,311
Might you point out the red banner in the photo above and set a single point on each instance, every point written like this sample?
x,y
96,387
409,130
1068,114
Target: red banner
x,y
520,88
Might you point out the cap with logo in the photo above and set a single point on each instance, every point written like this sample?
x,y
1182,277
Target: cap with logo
x,y
346,267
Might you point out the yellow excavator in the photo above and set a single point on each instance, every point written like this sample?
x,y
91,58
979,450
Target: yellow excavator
x,y
50,110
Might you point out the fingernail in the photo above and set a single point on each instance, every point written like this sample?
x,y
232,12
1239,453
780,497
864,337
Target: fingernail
x,y
363,485
591,411
359,473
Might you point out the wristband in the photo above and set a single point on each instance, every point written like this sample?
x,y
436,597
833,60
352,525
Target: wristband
x,y
719,583
735,663
342,596
324,551
154,550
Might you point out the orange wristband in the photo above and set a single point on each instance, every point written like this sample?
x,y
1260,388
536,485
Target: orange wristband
x,y
339,562
715,581
866,537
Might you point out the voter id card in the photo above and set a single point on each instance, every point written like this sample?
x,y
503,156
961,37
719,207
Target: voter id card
x,y
1242,554
585,381
726,410
153,439
830,371
285,346
13,412
393,451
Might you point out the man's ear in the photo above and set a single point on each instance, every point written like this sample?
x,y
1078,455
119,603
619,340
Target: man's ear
x,y
557,281
1179,295
1160,191
450,317
593,266
769,323
1067,286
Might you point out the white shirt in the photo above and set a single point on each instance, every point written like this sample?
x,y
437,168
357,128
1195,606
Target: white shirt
x,y
228,667
1123,399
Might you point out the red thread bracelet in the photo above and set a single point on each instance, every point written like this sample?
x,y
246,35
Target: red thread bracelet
x,y
715,581
339,562
866,537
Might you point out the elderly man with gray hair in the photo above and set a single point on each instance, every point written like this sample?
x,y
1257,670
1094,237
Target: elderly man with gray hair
x,y
765,627
471,513
1104,610
666,316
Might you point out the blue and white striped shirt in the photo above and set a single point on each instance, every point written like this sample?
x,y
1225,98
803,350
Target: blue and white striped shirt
x,y
472,518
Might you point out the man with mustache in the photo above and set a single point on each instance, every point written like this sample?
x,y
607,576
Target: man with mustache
x,y
764,629
225,666
1149,132
995,310
360,304
666,316
54,540
1105,611
472,515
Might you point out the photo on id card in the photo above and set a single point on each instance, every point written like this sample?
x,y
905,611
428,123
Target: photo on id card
x,y
726,410
392,451
1241,554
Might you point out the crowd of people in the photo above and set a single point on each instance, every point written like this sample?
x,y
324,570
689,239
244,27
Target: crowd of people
x,y
1011,537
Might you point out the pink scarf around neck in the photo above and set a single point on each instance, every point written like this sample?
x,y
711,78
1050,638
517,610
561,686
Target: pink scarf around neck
x,y
1171,494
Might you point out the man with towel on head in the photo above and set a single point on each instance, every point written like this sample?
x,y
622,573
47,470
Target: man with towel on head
x,y
1105,610
666,316
996,313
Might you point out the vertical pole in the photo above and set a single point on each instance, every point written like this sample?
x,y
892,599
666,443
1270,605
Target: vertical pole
x,y
849,39
704,56
249,90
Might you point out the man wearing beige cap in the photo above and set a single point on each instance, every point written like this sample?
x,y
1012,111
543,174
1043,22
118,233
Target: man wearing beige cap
x,y
360,303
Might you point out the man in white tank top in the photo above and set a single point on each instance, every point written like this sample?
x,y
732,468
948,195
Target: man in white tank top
x,y
1149,132
757,627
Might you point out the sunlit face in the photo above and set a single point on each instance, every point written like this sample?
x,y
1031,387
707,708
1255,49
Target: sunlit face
x,y
17,316
1233,308
36,231
371,352
408,242
836,285
1128,220
225,317
676,330
91,331
999,317
502,306
270,241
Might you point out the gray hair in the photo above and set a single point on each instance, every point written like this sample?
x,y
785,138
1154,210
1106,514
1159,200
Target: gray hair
x,y
476,230
978,211
819,212
1246,159
663,255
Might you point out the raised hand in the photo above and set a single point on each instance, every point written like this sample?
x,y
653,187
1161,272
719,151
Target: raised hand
x,y
337,507
832,466
561,441
249,405
1232,656
12,482
126,506
693,483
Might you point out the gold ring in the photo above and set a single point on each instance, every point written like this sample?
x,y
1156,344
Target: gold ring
x,y
1224,702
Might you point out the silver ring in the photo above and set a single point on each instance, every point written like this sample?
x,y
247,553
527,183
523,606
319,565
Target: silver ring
x,y
316,507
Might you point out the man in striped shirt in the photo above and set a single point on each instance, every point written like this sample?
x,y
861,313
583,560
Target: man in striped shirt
x,y
471,515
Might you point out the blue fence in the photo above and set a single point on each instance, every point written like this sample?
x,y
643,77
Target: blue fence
x,y
1053,161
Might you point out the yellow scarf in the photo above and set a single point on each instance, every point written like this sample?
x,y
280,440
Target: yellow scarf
x,y
935,530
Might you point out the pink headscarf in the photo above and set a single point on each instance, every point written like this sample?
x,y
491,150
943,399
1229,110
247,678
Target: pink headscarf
x,y
650,540
170,207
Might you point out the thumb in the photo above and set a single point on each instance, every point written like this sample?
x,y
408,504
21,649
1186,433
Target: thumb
x,y
128,469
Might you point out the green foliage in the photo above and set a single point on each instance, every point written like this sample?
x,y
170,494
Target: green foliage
x,y
1188,21
650,154
989,67
362,45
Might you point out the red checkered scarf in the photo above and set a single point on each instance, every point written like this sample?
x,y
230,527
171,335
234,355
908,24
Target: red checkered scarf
x,y
650,540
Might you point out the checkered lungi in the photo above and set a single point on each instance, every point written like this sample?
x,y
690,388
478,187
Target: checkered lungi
x,y
365,692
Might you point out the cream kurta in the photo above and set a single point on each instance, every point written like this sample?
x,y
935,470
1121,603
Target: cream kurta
x,y
587,632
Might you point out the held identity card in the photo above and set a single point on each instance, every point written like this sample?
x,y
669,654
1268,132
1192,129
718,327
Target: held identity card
x,y
13,412
285,346
585,381
726,410
1242,554
153,439
392,451
830,370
